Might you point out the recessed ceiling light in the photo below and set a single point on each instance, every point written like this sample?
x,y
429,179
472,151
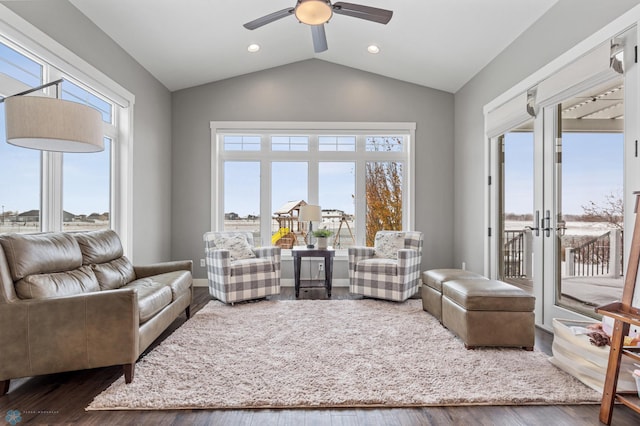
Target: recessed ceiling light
x,y
373,49
253,48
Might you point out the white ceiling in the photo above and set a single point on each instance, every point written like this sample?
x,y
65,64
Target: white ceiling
x,y
435,43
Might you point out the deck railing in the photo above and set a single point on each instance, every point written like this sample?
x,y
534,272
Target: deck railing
x,y
599,256
514,245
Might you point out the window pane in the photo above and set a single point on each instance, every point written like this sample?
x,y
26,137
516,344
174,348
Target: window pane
x,y
384,198
19,67
242,197
86,185
384,143
337,196
74,93
290,143
337,143
20,189
288,185
241,143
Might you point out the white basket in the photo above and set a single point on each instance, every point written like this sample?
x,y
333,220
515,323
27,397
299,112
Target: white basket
x,y
636,375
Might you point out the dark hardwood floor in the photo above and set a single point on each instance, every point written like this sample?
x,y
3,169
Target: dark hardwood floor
x,y
62,398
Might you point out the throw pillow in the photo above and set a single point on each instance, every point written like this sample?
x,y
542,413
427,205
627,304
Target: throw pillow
x,y
387,244
237,245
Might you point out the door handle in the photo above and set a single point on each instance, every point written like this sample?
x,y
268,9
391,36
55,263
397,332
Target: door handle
x,y
547,223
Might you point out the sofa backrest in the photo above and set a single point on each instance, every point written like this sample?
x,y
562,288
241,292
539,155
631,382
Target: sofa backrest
x,y
44,265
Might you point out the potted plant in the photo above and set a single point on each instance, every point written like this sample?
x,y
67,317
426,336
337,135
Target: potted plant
x,y
323,237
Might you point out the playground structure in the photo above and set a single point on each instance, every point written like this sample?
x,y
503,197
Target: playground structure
x,y
291,232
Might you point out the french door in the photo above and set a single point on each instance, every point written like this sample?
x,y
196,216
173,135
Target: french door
x,y
565,177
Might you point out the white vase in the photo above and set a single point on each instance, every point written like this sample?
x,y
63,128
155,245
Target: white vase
x,y
322,243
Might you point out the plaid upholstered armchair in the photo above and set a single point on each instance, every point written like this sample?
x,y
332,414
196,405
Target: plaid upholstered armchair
x,y
239,271
389,270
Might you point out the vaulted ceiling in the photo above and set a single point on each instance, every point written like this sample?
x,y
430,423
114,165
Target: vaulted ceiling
x,y
435,43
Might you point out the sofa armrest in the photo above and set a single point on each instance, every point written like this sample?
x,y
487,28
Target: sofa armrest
x,y
69,333
163,267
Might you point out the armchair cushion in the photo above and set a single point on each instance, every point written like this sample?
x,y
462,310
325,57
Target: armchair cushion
x,y
252,266
387,244
237,245
378,266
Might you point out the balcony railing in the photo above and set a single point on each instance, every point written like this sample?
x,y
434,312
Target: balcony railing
x,y
514,251
599,256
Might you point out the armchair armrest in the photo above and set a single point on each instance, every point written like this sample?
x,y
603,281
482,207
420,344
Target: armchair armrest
x,y
409,261
218,261
69,333
272,252
356,254
163,267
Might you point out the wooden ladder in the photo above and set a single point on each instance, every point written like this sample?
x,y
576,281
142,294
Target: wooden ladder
x,y
624,315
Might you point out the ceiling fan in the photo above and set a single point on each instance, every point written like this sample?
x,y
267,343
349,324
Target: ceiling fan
x,y
316,13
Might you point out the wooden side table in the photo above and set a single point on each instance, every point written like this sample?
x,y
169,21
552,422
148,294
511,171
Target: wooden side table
x,y
327,254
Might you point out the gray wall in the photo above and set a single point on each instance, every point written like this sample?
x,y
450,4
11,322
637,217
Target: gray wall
x,y
565,25
152,118
312,90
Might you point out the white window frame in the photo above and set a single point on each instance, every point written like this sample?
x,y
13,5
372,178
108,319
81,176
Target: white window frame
x,y
61,62
313,129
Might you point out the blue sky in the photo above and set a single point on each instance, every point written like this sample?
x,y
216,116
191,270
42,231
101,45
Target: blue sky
x,y
85,177
336,181
591,170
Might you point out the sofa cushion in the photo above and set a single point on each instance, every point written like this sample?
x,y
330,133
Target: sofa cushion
x,y
387,244
237,245
45,253
152,297
114,274
178,281
43,286
99,246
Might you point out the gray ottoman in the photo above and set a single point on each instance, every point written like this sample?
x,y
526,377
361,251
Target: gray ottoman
x,y
432,288
488,313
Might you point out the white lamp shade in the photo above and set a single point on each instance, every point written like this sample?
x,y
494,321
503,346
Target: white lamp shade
x,y
310,213
51,124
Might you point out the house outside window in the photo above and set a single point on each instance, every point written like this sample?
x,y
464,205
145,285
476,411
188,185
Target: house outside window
x,y
359,173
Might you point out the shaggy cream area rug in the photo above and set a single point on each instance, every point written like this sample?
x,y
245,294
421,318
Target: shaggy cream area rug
x,y
332,353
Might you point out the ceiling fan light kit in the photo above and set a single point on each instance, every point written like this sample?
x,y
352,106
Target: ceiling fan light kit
x,y
313,12
316,13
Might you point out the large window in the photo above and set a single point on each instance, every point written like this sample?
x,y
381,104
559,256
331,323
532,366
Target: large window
x,y
359,173
50,191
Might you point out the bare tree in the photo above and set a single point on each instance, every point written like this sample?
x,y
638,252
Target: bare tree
x,y
610,211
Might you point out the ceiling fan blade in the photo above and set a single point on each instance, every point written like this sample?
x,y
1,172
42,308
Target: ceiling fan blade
x,y
369,13
319,38
267,19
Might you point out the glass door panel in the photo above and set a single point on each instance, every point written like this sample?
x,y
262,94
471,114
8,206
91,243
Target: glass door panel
x,y
518,219
589,200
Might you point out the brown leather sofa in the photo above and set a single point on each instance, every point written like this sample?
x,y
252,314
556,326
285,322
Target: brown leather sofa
x,y
72,301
